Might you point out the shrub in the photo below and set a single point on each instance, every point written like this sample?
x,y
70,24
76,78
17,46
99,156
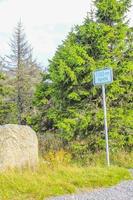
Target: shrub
x,y
49,142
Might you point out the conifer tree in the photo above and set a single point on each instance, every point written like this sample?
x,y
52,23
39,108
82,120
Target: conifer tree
x,y
24,70
105,41
6,105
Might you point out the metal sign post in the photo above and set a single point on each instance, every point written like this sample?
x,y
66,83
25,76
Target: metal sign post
x,y
102,77
105,125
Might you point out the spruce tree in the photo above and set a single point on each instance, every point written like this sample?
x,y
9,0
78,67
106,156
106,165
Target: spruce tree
x,y
7,105
43,118
105,41
25,71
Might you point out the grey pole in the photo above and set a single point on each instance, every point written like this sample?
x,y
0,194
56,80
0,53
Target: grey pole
x,y
105,125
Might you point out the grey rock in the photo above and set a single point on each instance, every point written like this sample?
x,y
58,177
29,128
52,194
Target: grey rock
x,y
18,147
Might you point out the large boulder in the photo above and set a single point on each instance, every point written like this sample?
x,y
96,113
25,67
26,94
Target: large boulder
x,y
18,147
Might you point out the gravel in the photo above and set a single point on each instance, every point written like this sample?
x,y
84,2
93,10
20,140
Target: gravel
x,y
122,191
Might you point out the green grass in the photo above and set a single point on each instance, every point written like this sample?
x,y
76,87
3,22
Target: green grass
x,y
49,180
121,159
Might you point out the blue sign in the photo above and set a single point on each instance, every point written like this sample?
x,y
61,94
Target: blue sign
x,y
101,77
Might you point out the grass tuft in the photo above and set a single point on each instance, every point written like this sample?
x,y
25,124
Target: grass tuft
x,y
52,180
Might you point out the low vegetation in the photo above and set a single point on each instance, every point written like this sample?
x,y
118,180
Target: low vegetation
x,y
57,174
121,159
